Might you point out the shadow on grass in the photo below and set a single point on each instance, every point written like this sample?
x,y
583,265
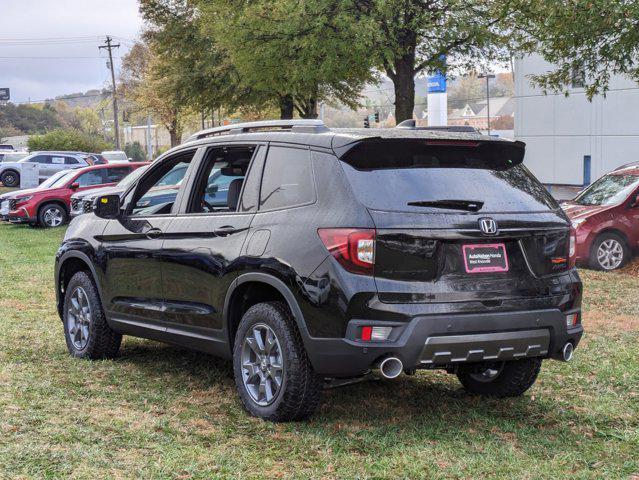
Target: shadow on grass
x,y
407,402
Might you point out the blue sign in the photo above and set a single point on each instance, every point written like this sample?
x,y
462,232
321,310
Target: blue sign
x,y
437,83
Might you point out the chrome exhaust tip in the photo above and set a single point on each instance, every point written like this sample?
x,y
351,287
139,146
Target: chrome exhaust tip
x,y
391,367
567,352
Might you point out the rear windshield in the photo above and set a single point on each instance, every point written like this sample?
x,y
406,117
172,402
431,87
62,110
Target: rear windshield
x,y
418,177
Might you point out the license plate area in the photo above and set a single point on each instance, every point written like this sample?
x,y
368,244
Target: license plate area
x,y
485,258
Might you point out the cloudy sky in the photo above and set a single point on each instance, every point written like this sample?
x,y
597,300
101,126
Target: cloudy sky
x,y
50,47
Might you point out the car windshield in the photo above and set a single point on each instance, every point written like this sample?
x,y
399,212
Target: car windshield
x,y
608,190
112,156
57,180
131,177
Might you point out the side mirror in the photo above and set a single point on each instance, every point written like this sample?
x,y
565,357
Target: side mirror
x,y
75,185
107,206
212,189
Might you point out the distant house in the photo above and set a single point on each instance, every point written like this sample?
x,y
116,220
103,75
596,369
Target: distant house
x,y
475,114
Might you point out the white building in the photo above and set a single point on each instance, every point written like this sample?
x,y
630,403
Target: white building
x,y
560,132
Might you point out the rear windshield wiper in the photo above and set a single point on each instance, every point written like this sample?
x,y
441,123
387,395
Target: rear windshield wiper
x,y
467,205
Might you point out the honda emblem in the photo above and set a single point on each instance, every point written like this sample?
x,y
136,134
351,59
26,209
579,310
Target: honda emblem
x,y
488,226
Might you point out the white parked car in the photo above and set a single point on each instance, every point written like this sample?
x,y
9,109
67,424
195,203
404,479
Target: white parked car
x,y
49,162
115,156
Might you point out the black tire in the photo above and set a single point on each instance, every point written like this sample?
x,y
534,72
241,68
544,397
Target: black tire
x,y
300,391
512,380
10,178
609,238
50,214
103,342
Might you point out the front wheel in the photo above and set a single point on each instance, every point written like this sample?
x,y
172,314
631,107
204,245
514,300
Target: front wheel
x,y
609,252
51,215
85,328
500,379
273,374
10,179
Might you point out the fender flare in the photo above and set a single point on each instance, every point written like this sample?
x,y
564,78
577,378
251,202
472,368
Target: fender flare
x,y
60,264
276,283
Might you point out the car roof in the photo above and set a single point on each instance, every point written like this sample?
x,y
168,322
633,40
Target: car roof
x,y
314,133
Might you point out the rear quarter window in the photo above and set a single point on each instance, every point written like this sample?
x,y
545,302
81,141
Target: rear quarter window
x,y
288,179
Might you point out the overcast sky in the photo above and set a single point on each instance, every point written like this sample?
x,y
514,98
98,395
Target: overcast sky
x,y
46,30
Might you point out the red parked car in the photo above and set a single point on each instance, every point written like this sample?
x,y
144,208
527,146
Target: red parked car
x,y
606,219
50,207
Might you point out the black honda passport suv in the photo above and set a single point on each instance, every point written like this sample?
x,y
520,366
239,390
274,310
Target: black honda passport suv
x,y
337,252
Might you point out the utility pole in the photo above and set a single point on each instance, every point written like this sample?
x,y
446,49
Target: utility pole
x,y
487,76
109,47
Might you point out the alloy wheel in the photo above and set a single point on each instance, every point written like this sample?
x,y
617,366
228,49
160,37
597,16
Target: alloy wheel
x,y
610,254
53,217
79,318
262,364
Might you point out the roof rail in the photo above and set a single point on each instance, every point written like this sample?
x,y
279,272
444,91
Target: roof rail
x,y
301,126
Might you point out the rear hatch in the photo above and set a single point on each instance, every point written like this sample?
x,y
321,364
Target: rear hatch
x,y
428,200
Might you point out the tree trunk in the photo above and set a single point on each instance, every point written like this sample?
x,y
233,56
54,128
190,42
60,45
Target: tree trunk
x,y
310,108
286,107
175,133
404,83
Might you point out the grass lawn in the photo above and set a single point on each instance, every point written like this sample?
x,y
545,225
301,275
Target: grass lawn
x,y
163,412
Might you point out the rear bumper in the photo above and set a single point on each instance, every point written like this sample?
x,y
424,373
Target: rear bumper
x,y
441,340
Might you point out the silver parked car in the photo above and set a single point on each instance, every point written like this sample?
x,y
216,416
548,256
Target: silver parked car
x,y
49,163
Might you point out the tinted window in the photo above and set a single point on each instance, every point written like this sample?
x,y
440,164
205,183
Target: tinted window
x,y
287,179
116,174
40,159
70,161
88,179
401,176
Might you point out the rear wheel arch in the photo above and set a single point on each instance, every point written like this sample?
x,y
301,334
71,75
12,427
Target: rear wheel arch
x,y
252,288
55,201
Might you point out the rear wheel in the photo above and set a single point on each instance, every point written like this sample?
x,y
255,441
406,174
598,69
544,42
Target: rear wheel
x,y
273,374
10,179
500,379
609,252
51,215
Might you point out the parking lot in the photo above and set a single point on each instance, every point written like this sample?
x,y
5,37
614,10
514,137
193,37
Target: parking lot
x,y
160,411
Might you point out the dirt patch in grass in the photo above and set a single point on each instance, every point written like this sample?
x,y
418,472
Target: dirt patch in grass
x,y
631,269
604,322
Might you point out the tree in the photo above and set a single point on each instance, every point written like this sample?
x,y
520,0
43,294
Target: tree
x,y
296,53
409,37
585,39
150,83
134,151
68,139
28,119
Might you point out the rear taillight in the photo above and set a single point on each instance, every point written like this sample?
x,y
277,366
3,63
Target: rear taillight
x,y
572,249
353,248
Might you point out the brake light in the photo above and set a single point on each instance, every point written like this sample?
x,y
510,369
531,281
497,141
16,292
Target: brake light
x,y
572,248
353,248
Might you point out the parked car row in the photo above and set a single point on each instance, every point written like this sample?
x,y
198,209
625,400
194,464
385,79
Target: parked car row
x,y
49,205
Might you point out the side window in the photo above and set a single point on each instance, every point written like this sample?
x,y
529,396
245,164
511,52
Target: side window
x,y
57,160
220,180
70,161
42,159
88,179
116,174
158,190
287,180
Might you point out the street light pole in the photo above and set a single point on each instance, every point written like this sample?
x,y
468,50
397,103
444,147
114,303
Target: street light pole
x,y
487,76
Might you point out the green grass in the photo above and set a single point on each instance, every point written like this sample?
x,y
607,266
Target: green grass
x,y
162,412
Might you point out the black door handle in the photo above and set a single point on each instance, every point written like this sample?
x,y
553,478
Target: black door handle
x,y
225,230
153,233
